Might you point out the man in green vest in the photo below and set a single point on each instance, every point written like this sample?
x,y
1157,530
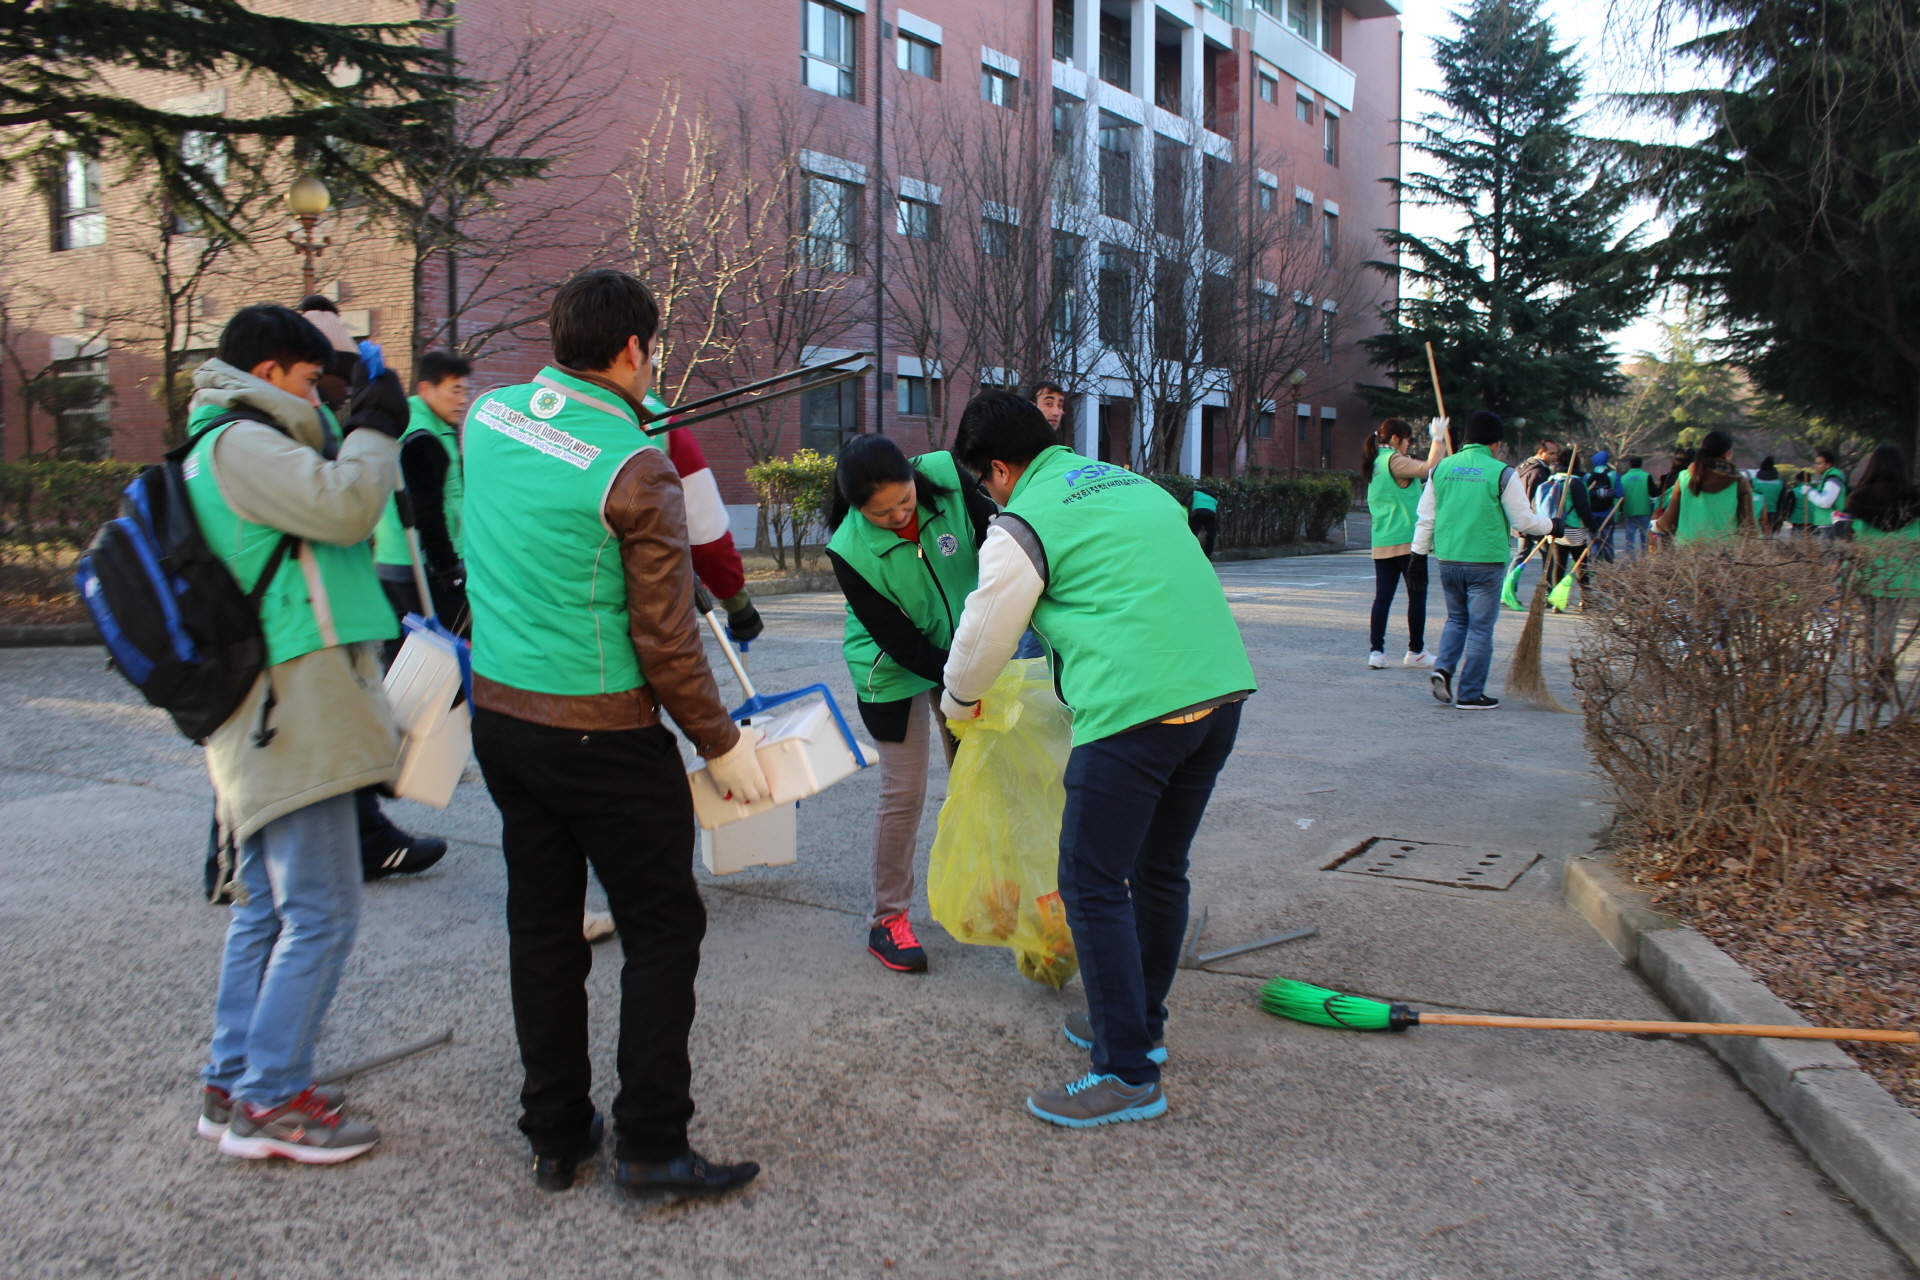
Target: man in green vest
x,y
1466,515
584,632
436,484
1203,518
1823,499
1147,657
315,728
1636,506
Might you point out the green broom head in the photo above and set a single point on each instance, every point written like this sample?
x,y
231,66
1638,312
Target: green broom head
x,y
1304,1002
1562,594
1507,595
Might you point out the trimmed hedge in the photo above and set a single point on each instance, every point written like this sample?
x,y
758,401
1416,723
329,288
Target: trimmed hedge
x,y
59,504
1271,511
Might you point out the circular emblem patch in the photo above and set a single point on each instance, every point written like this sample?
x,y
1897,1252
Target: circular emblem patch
x,y
546,402
948,544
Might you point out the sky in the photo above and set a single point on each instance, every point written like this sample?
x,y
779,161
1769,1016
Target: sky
x,y
1615,58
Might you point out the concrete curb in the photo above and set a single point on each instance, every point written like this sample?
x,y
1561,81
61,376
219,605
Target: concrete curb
x,y
1852,1128
1280,553
792,586
35,637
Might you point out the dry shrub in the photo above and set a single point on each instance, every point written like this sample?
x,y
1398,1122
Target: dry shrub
x,y
1720,681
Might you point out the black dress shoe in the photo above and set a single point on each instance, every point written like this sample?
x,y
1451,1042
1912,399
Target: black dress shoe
x,y
410,858
691,1174
556,1173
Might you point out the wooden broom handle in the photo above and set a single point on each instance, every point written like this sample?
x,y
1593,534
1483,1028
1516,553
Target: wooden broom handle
x,y
1670,1028
1433,371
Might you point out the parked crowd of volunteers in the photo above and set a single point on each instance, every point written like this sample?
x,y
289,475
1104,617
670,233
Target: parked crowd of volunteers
x,y
545,524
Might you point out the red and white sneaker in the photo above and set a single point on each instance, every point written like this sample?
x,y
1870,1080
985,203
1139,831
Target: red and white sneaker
x,y
302,1130
893,945
216,1108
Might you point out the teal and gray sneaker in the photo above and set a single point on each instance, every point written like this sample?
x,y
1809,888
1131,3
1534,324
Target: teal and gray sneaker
x,y
1079,1028
1095,1099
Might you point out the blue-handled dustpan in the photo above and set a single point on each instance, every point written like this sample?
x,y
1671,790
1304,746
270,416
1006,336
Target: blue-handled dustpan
x,y
758,703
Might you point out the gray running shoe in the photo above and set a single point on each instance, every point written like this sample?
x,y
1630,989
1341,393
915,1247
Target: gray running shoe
x,y
216,1108
1096,1099
1079,1029
303,1131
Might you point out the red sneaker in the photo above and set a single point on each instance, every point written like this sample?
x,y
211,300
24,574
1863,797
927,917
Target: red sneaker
x,y
893,945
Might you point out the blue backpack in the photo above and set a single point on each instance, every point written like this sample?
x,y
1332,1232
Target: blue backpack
x,y
175,622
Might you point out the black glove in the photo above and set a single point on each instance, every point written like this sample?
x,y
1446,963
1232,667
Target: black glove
x,y
450,599
380,404
1559,530
745,623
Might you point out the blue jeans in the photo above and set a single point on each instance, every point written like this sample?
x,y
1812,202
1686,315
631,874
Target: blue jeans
x,y
1030,646
1466,646
286,949
1636,528
1134,801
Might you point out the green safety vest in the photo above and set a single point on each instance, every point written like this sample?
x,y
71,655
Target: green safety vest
x,y
1635,495
930,581
328,595
544,579
1820,517
1394,510
1897,574
1768,492
1469,524
1706,515
390,538
1203,501
1136,618
1568,513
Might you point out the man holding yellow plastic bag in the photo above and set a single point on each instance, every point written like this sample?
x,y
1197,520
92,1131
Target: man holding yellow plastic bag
x,y
1146,655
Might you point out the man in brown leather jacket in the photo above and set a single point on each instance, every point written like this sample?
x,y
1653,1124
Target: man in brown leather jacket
x,y
575,653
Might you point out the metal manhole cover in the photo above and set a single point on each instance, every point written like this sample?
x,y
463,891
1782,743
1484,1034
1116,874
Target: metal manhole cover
x,y
1461,866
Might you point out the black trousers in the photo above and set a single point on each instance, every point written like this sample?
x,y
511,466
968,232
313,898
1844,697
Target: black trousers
x,y
620,801
1206,527
1387,574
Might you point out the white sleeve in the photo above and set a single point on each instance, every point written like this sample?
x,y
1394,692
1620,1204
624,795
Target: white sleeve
x,y
1520,514
996,616
706,512
1826,495
1423,523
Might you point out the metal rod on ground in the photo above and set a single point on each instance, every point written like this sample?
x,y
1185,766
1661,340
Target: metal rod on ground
x,y
1292,935
381,1060
1193,939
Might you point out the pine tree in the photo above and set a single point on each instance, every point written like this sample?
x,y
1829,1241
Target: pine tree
x,y
339,91
1519,306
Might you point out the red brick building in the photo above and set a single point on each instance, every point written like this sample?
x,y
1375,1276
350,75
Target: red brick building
x,y
1056,152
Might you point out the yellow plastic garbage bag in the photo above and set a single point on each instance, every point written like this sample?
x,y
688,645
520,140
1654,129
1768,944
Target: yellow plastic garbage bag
x,y
994,873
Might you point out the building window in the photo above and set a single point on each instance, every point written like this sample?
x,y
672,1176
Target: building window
x,y
1326,336
1263,426
1065,292
911,396
1116,51
1333,139
1116,298
1063,30
1330,27
831,215
1301,417
1303,313
916,219
1064,191
1300,19
1266,198
999,88
998,237
1170,161
1269,88
1303,108
78,219
1326,441
921,57
1263,307
81,425
1329,238
1116,169
1172,326
828,45
829,416
1302,212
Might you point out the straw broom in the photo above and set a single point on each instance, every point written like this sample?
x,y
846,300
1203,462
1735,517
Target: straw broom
x,y
1524,677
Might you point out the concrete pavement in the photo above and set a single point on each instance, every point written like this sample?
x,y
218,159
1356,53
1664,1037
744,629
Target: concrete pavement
x,y
887,1109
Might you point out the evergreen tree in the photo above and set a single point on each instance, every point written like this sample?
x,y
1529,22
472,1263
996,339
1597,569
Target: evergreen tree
x,y
1519,306
339,91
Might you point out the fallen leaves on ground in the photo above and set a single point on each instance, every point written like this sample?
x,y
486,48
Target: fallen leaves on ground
x,y
1843,947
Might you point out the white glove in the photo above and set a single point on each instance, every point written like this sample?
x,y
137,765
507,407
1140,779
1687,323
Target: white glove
x,y
954,709
1440,432
737,774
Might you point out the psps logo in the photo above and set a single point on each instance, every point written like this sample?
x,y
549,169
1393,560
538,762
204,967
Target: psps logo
x,y
948,544
1080,475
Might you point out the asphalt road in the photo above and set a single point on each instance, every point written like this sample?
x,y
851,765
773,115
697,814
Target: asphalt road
x,y
886,1109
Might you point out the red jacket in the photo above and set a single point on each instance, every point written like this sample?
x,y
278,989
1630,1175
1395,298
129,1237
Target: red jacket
x,y
715,561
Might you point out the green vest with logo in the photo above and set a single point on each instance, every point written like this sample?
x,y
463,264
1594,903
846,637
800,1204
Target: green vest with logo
x,y
326,595
390,539
1469,524
929,579
1819,516
544,578
1203,501
1133,612
1768,492
1635,496
1706,515
1394,510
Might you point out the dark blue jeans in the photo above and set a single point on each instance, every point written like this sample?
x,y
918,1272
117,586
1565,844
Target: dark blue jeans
x,y
1134,801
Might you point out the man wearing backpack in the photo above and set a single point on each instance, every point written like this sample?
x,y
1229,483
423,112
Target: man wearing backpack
x,y
314,728
1603,493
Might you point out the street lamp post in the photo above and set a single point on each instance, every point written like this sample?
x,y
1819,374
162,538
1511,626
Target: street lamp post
x,y
307,199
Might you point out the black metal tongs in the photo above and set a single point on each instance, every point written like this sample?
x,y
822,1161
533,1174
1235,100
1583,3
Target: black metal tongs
x,y
843,369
